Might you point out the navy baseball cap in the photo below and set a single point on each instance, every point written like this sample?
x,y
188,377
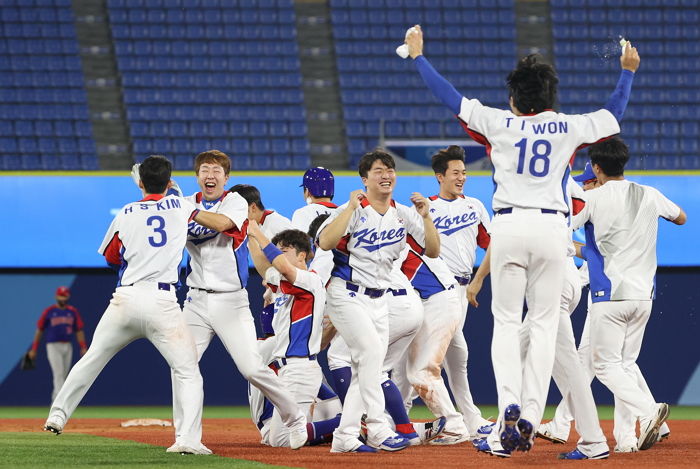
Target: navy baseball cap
x,y
586,175
266,316
319,181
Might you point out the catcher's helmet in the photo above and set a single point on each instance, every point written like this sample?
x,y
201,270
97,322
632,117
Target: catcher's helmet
x,y
319,181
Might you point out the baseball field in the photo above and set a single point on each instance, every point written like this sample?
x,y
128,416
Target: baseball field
x,y
95,438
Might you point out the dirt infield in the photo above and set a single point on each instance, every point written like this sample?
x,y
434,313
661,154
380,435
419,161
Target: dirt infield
x,y
237,438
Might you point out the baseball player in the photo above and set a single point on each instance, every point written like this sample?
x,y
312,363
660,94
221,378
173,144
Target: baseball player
x,y
557,430
567,373
367,234
270,221
530,147
217,302
145,243
463,224
59,322
319,188
621,223
299,300
405,319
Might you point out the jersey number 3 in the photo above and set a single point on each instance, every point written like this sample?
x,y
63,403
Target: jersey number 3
x,y
158,229
541,149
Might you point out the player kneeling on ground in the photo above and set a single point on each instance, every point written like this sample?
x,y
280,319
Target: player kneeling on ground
x,y
299,299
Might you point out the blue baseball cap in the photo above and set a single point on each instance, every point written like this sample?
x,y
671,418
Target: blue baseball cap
x,y
586,175
319,181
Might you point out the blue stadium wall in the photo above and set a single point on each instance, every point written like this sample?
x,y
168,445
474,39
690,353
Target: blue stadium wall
x,y
139,376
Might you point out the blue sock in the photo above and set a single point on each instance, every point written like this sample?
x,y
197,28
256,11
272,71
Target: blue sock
x,y
341,379
394,406
323,430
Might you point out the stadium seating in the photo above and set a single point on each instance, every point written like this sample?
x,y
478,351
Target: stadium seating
x,y
661,122
471,42
44,122
213,74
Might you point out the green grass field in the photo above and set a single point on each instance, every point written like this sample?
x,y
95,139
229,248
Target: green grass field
x,y
22,450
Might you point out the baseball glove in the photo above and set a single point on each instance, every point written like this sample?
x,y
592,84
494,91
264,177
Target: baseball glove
x,y
27,363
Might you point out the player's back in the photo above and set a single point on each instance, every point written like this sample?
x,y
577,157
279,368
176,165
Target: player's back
x,y
531,153
623,225
151,236
302,217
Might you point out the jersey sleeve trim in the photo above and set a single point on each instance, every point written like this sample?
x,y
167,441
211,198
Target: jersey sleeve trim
x,y
112,252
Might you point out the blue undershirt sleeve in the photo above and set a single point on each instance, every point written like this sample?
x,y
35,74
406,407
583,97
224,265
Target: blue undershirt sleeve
x,y
441,88
617,103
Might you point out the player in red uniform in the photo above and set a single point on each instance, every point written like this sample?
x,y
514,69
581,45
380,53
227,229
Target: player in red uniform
x,y
59,322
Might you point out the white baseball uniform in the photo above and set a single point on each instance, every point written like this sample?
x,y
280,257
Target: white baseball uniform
x,y
297,323
624,429
302,217
531,156
217,302
357,306
272,223
146,239
436,286
621,224
463,223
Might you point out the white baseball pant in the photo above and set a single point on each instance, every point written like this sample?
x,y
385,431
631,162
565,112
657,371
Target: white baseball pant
x,y
60,354
427,352
455,365
301,378
363,323
228,316
528,255
568,374
142,311
617,330
624,429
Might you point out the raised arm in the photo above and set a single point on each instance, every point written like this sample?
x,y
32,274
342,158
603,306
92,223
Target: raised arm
x,y
617,103
441,88
432,237
331,234
271,253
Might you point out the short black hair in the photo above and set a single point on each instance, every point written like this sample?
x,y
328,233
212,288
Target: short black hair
x,y
316,224
533,85
370,157
296,239
610,155
250,193
442,158
155,172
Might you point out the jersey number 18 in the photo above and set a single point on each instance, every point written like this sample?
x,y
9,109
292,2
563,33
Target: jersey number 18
x,y
541,150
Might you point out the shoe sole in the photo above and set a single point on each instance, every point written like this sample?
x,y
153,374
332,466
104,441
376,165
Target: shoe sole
x,y
392,450
510,436
653,434
553,439
441,422
53,429
585,458
525,428
368,450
